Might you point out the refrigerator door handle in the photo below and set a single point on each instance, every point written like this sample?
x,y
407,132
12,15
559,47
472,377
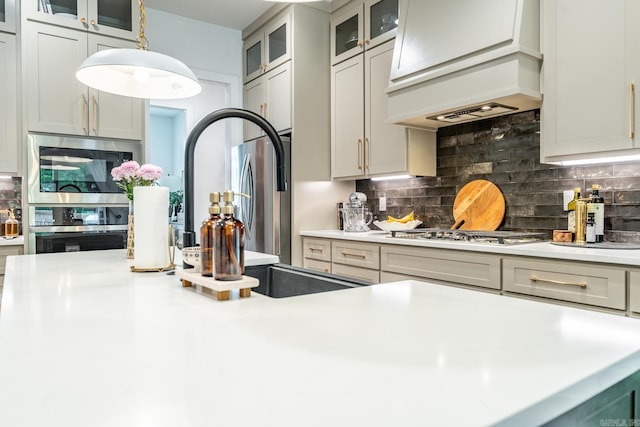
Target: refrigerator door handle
x,y
247,186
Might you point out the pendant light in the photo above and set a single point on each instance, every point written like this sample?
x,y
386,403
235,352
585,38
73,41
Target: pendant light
x,y
138,73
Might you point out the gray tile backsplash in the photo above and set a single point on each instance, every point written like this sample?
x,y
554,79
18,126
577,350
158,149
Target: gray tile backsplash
x,y
506,151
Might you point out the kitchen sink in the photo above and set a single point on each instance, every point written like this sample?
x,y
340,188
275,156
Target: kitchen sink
x,y
282,281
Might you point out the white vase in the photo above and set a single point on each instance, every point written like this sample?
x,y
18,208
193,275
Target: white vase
x,y
151,225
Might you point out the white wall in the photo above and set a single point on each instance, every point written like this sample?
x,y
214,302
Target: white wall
x,y
214,53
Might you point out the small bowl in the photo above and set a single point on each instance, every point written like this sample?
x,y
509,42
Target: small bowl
x,y
396,226
191,256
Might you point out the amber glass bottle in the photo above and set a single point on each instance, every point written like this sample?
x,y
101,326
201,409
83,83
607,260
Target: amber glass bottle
x,y
11,226
207,236
228,242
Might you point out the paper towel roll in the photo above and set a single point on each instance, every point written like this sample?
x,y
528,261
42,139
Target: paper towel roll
x,y
151,227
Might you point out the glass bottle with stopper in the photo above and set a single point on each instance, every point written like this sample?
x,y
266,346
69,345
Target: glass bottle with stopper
x,y
207,232
228,252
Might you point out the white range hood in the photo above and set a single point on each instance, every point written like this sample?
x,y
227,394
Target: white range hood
x,y
460,60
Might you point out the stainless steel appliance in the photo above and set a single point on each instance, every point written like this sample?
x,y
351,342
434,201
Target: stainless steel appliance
x,y
266,214
486,237
77,228
356,216
74,170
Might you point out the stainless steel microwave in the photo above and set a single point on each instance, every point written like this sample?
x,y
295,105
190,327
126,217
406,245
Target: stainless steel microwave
x,y
76,170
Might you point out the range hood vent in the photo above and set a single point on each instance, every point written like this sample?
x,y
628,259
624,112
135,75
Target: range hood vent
x,y
460,61
474,113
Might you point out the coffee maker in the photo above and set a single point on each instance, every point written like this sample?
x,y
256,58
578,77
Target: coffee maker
x,y
355,214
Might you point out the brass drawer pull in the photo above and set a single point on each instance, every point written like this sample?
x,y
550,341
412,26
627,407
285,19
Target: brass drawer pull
x,y
316,250
346,254
632,112
558,282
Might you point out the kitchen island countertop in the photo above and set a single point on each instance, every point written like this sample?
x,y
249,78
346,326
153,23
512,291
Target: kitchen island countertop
x,y
83,341
546,249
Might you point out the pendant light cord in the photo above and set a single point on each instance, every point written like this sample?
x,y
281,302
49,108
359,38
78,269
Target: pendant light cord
x,y
141,40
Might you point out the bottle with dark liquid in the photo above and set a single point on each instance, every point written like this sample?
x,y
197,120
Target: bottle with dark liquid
x,y
228,252
207,236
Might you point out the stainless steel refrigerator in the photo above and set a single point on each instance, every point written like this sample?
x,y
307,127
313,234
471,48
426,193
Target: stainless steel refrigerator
x,y
266,214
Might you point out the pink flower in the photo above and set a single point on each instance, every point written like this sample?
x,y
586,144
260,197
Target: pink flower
x,y
129,169
116,173
149,172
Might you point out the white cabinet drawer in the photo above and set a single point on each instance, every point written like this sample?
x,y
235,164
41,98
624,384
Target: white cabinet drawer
x,y
634,291
467,268
312,264
356,254
582,283
360,273
319,249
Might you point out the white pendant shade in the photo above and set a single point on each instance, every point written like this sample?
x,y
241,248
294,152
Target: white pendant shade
x,y
138,73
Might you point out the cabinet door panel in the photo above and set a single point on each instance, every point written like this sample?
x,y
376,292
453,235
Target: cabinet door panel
x,y
278,102
8,16
8,105
253,57
586,78
277,41
254,100
386,148
634,291
347,33
111,115
57,101
347,118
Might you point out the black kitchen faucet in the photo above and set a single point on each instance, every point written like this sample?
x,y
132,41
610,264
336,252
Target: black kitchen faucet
x,y
189,235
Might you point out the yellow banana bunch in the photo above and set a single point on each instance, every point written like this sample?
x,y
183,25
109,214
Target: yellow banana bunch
x,y
404,219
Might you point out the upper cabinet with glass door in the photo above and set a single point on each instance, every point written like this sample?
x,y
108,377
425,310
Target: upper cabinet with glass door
x,y
267,48
8,16
115,18
360,25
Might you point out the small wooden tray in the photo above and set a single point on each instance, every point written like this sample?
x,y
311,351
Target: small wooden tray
x,y
222,288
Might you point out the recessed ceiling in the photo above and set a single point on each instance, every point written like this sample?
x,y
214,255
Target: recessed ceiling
x,y
235,14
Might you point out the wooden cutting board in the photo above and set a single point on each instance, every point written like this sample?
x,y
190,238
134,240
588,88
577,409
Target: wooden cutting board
x,y
479,205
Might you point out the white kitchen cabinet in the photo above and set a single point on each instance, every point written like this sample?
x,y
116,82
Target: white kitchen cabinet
x,y
58,102
356,260
634,292
361,25
270,96
267,48
597,285
8,105
115,18
441,265
362,143
590,80
6,251
8,16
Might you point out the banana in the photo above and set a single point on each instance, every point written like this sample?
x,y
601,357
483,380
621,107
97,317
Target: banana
x,y
404,219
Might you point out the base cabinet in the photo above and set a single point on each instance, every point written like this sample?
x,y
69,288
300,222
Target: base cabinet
x,y
617,405
598,285
634,292
6,251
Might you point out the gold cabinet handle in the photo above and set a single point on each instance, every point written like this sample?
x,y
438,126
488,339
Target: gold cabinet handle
x,y
265,110
264,68
83,20
359,151
261,108
367,41
94,114
367,154
558,282
93,22
84,112
632,89
359,44
316,250
346,254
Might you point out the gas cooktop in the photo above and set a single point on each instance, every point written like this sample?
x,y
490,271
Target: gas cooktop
x,y
492,237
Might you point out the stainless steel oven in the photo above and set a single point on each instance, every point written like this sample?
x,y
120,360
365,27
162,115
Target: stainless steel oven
x,y
66,228
76,170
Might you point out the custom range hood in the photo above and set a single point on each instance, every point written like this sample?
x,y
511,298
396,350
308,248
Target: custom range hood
x,y
457,61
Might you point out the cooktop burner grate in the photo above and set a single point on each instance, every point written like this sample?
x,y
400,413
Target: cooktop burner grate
x,y
492,237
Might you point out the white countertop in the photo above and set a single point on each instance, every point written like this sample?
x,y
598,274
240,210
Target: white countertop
x,y
85,342
18,241
629,257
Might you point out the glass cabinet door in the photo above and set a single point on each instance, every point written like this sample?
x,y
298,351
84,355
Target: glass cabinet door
x,y
347,33
382,21
253,62
8,16
118,18
277,42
